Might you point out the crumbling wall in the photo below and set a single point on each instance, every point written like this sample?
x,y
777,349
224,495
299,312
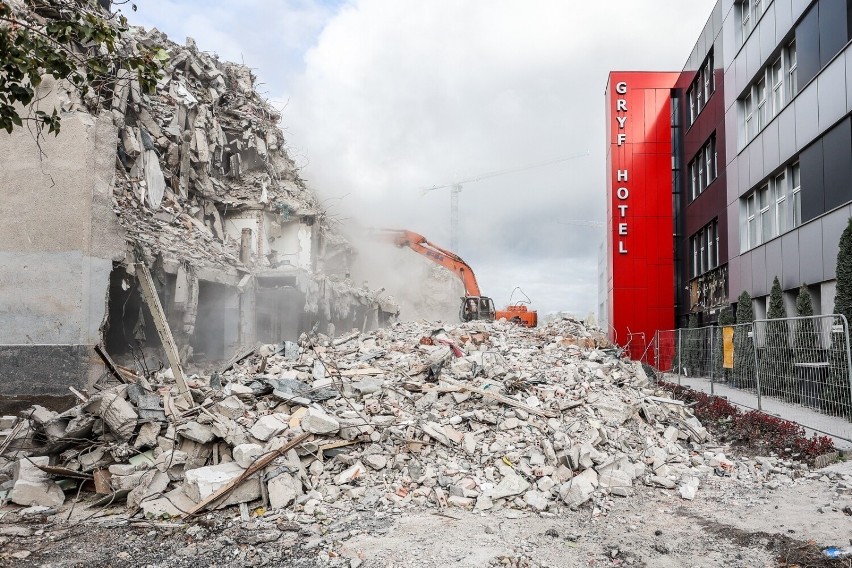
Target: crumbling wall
x,y
58,240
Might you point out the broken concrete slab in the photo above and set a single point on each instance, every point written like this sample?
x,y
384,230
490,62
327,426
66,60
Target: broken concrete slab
x,y
283,489
246,454
199,433
204,481
268,426
511,484
318,422
32,486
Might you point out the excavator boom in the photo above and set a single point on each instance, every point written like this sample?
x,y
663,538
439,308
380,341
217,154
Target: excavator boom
x,y
439,255
474,306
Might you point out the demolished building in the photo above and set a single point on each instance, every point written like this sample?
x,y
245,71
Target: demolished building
x,y
194,182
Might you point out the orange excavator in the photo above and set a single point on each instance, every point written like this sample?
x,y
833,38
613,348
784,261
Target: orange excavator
x,y
474,306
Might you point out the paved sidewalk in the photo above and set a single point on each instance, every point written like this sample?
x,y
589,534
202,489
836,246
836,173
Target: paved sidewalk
x,y
838,429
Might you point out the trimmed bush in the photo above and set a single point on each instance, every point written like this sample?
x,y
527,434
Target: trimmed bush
x,y
776,376
837,392
743,376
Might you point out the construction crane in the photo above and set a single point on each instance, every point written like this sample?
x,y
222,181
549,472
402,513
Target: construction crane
x,y
456,187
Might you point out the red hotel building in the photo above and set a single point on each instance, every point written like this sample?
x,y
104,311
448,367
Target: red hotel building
x,y
640,278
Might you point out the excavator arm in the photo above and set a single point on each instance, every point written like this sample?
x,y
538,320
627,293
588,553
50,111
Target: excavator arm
x,y
474,305
438,255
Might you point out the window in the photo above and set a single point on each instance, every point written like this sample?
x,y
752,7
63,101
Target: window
x,y
715,156
779,189
705,249
770,91
765,211
776,76
765,215
792,66
693,180
745,18
701,88
748,111
703,168
760,89
750,12
708,159
796,194
751,221
709,82
692,111
757,10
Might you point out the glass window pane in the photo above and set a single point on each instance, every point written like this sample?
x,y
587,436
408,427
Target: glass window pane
x,y
752,232
797,209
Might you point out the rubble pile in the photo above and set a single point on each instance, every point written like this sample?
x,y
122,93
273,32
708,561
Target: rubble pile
x,y
204,187
485,416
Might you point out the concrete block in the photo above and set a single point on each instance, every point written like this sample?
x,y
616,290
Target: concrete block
x,y
283,490
511,484
350,474
246,454
118,414
268,426
579,489
33,486
200,433
318,422
152,483
204,481
172,504
230,407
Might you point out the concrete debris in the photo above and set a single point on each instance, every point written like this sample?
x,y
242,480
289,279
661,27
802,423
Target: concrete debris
x,y
204,158
391,434
32,486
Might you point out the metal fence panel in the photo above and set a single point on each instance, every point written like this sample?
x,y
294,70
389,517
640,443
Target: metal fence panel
x,y
794,366
805,361
665,348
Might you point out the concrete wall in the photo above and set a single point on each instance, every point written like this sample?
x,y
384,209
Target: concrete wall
x,y
58,239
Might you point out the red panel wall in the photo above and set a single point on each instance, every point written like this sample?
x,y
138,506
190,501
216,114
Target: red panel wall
x,y
640,278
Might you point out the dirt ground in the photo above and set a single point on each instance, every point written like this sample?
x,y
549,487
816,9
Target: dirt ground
x,y
730,523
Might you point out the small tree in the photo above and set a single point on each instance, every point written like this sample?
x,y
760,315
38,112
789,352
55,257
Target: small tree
x,y
837,393
775,369
805,338
806,347
743,344
726,318
76,42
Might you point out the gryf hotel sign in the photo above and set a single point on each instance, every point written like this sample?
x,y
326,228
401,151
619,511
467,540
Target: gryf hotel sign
x,y
622,191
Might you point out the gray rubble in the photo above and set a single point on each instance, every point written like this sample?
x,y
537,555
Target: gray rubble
x,y
484,416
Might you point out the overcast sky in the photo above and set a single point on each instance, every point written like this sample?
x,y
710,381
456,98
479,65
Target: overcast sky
x,y
382,98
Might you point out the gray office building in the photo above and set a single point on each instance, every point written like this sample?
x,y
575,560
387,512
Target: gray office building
x,y
763,154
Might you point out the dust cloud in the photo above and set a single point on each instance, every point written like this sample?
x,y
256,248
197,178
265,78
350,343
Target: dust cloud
x,y
423,289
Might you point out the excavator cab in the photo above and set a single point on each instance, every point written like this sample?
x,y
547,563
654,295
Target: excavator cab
x,y
477,308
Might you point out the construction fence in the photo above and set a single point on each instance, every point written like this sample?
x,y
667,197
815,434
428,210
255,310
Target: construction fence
x,y
799,368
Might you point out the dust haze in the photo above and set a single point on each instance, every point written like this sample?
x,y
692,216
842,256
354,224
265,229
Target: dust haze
x,y
423,290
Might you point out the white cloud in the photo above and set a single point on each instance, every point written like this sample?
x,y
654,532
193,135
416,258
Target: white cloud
x,y
386,97
397,96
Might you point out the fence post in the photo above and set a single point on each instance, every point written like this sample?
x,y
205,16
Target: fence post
x,y
756,367
712,360
845,324
657,349
679,357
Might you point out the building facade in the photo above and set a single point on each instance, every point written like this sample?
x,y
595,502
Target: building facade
x,y
761,156
640,276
